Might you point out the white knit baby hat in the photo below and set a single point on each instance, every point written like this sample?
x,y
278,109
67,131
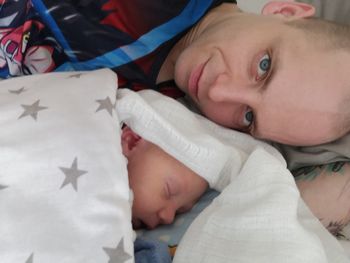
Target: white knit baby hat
x,y
213,152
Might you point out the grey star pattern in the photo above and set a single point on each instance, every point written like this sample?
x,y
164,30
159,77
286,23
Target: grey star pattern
x,y
32,110
2,187
72,174
77,76
118,254
30,259
106,104
18,91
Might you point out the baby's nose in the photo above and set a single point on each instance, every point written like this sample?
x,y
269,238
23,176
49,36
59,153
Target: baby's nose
x,y
167,215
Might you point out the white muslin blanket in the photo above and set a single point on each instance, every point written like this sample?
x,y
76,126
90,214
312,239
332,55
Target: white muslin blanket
x,y
259,216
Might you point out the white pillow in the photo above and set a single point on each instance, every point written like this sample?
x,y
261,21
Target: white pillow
x,y
334,10
64,194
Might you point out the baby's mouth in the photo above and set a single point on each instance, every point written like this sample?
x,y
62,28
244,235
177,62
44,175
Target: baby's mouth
x,y
138,224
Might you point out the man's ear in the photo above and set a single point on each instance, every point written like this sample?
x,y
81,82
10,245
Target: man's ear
x,y
288,9
129,140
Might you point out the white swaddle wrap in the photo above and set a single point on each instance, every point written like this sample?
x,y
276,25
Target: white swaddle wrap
x,y
259,216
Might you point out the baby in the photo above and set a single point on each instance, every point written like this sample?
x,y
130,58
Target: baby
x,y
162,185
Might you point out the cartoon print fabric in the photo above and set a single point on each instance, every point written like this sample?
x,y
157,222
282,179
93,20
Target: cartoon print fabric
x,y
131,37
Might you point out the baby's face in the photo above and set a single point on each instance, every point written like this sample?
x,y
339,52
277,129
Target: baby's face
x,y
162,185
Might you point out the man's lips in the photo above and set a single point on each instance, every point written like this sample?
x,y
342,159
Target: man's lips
x,y
194,80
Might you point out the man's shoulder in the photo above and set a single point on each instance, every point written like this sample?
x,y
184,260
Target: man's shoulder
x,y
300,156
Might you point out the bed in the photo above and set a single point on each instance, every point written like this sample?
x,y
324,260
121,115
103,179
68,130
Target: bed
x,y
64,194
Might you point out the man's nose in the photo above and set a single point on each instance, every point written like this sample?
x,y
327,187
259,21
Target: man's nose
x,y
167,215
230,89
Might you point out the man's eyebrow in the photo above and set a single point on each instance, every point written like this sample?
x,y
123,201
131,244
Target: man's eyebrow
x,y
275,59
274,68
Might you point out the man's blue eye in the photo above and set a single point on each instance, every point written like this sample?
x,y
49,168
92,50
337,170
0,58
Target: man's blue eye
x,y
248,117
264,66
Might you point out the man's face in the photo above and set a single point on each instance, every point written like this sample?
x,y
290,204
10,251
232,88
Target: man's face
x,y
162,186
256,74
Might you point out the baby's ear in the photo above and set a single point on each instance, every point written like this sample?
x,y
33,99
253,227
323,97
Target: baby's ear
x,y
129,140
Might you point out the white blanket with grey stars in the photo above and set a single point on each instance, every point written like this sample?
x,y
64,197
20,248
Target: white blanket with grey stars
x,y
64,194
